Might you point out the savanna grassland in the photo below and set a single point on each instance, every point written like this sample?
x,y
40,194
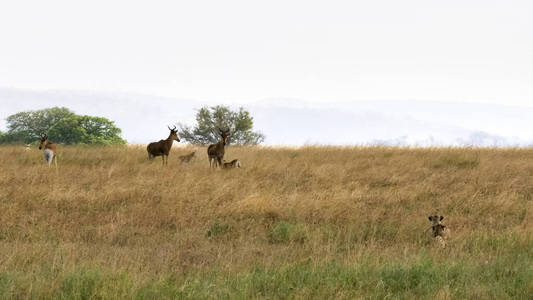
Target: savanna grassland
x,y
310,222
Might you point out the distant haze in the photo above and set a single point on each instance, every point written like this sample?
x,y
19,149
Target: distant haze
x,y
411,72
144,118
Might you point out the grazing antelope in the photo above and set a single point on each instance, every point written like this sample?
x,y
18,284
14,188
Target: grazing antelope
x,y
215,152
186,158
162,148
440,232
232,164
50,150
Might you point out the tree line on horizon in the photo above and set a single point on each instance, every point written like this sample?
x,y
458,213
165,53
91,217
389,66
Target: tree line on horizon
x,y
64,126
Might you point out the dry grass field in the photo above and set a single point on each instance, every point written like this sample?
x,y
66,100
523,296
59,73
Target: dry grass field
x,y
310,222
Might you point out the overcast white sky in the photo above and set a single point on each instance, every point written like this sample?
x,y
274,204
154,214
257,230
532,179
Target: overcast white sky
x,y
249,51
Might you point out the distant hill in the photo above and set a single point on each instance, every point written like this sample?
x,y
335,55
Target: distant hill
x,y
144,118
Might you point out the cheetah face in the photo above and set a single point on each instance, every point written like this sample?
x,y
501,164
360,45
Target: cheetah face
x,y
435,220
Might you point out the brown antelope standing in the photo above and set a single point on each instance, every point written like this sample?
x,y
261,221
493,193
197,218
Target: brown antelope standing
x,y
232,164
440,232
162,148
215,152
50,150
186,158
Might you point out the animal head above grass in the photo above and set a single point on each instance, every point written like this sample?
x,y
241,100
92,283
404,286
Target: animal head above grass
x,y
44,141
173,134
224,134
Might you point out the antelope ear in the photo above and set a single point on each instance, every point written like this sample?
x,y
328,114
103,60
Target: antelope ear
x,y
430,218
441,218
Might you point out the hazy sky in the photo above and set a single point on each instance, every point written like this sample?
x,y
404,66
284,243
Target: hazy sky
x,y
245,51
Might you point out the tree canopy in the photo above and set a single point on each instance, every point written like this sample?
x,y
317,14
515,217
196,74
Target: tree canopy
x,y
62,126
209,119
85,130
27,126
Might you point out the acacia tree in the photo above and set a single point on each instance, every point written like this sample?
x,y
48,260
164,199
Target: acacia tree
x,y
210,119
27,126
86,130
62,126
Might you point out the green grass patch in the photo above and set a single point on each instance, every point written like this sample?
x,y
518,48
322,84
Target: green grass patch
x,y
283,232
501,278
218,229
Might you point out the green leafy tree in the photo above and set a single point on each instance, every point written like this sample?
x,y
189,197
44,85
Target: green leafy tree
x,y
209,119
86,130
27,126
62,126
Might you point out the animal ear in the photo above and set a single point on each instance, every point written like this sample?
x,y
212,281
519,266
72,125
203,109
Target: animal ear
x,y
441,218
430,218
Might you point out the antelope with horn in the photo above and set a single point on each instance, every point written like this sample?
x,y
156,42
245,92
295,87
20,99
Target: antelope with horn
x,y
50,150
162,148
215,152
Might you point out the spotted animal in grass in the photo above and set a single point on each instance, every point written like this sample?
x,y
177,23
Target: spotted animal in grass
x,y
232,164
187,158
440,232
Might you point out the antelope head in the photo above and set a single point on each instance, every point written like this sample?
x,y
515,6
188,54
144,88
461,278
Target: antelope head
x,y
173,134
44,141
224,134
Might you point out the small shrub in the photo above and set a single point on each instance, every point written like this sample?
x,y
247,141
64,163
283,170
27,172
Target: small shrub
x,y
280,233
284,232
218,229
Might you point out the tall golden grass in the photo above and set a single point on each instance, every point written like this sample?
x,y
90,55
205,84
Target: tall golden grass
x,y
114,211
